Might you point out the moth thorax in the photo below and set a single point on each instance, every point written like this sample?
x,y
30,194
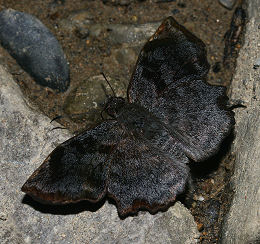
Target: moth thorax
x,y
114,106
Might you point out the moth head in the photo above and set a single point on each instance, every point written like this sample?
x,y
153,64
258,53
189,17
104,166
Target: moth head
x,y
114,106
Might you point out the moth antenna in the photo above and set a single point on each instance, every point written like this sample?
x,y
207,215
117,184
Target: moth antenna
x,y
108,83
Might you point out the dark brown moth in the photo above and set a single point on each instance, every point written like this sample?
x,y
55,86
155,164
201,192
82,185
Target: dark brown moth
x,y
172,116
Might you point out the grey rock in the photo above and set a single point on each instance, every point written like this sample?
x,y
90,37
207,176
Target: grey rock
x,y
125,55
242,224
117,33
35,48
81,17
26,140
257,63
78,23
121,62
129,33
229,4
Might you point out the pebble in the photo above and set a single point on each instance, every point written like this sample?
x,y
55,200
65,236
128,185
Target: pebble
x,y
229,4
125,55
216,67
257,64
121,33
198,198
35,49
212,212
201,198
87,100
181,5
200,227
124,33
81,23
81,33
175,11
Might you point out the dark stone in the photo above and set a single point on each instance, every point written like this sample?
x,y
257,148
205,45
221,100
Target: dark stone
x,y
181,5
212,212
175,11
35,49
81,33
216,67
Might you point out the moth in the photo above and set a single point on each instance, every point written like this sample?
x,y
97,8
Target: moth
x,y
171,117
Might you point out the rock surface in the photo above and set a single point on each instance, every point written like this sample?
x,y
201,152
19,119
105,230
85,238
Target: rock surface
x,y
35,48
242,223
87,100
228,3
116,33
26,140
